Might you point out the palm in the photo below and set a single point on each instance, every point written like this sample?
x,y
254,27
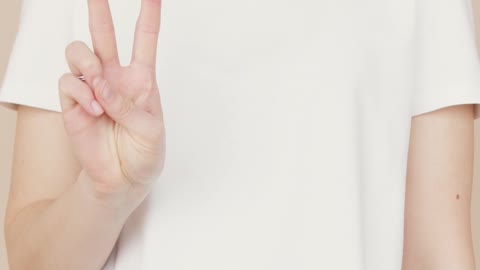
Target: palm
x,y
125,146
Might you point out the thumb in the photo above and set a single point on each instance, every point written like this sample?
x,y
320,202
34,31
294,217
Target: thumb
x,y
118,107
123,110
115,105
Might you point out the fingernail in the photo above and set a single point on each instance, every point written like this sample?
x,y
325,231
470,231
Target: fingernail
x,y
107,93
97,109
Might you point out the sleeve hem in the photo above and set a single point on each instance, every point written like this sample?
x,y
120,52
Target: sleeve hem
x,y
12,102
441,105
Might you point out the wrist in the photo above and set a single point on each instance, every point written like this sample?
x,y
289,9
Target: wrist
x,y
122,202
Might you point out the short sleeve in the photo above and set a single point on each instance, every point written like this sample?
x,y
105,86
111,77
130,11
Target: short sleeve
x,y
446,62
37,59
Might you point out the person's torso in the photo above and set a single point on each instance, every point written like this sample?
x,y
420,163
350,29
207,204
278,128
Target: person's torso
x,y
287,131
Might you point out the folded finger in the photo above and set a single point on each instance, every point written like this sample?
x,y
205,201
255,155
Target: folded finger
x,y
73,91
83,62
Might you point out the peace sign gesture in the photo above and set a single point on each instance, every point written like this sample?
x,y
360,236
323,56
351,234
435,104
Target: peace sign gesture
x,y
146,35
114,118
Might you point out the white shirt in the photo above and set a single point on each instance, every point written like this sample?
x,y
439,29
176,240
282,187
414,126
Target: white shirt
x,y
287,123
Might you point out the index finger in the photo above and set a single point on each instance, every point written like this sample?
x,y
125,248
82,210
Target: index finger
x,y
102,31
146,33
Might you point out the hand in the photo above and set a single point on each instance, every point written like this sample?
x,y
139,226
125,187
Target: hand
x,y
114,119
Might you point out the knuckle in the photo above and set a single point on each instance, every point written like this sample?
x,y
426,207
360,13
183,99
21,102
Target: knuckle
x,y
73,47
153,2
91,64
63,81
148,28
104,27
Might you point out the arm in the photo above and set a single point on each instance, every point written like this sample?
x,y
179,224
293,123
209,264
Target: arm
x,y
439,179
78,175
52,220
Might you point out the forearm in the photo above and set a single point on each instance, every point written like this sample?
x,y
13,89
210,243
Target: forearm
x,y
74,231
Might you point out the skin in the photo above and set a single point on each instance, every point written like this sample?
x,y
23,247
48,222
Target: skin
x,y
439,186
75,183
